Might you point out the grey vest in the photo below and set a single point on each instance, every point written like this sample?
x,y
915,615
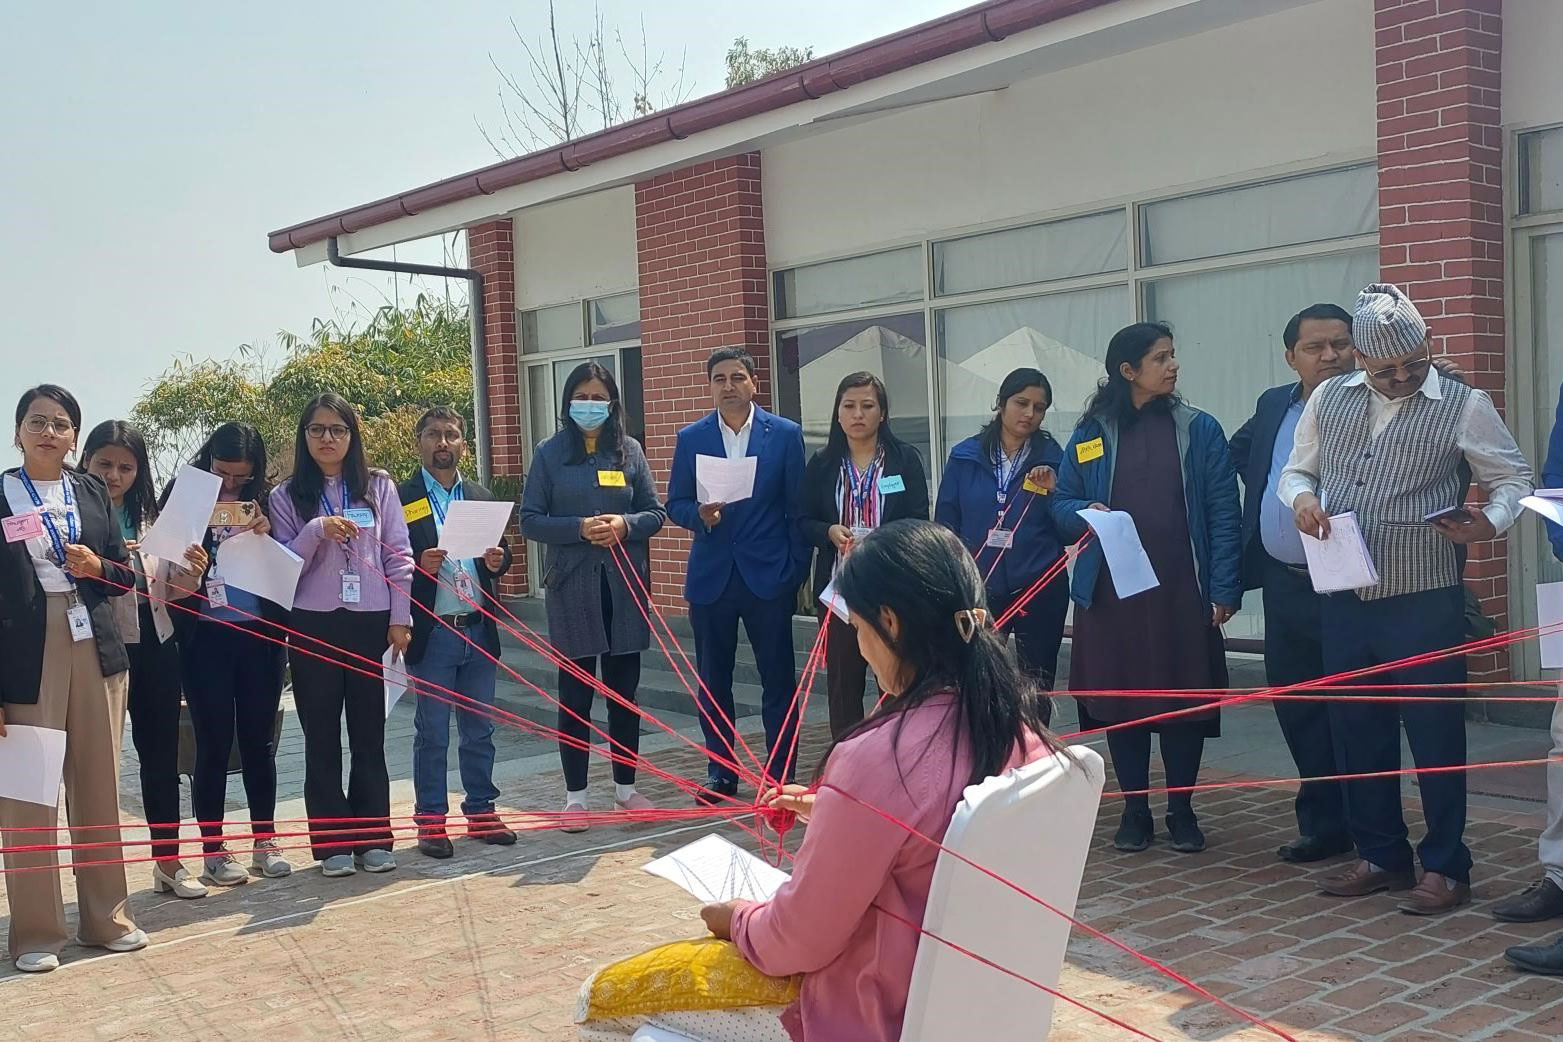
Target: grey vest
x,y
1394,481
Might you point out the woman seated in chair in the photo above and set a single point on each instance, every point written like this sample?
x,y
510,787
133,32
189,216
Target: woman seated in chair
x,y
957,710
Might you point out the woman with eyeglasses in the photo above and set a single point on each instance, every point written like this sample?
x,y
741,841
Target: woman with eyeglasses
x,y
346,522
65,669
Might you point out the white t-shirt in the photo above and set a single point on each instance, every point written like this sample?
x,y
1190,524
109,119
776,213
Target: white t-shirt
x,y
50,577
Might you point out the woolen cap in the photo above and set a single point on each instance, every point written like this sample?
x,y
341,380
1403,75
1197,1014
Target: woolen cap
x,y
1386,323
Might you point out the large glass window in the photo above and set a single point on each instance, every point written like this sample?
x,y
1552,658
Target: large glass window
x,y
1541,171
1036,253
845,285
614,319
555,328
1546,306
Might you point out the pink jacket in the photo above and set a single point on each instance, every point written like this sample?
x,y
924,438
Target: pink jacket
x,y
826,922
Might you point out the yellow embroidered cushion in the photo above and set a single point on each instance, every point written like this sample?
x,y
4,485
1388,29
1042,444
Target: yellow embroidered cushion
x,y
681,977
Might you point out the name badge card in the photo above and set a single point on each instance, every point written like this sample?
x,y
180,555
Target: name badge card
x,y
891,483
352,589
22,526
464,584
216,591
860,534
80,622
1001,538
610,479
363,517
417,510
1086,451
1032,486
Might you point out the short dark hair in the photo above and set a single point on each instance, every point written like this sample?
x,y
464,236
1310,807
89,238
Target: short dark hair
x,y
440,412
729,354
65,400
1319,312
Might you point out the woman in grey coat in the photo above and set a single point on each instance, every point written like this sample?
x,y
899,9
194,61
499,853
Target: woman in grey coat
x,y
589,490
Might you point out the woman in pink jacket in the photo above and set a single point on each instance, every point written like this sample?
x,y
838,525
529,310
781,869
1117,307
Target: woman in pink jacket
x,y
958,710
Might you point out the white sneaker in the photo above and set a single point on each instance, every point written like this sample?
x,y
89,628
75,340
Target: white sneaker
x,y
37,962
569,822
337,865
375,860
133,941
268,860
180,884
223,869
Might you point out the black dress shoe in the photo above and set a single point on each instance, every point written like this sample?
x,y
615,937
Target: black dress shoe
x,y
717,790
1539,902
1538,958
1135,831
1184,832
1305,849
436,847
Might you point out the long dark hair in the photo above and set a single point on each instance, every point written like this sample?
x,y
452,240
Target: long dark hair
x,y
1013,384
309,482
920,571
610,436
1113,399
835,449
140,498
236,442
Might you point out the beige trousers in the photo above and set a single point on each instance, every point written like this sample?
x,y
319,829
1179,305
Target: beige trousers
x,y
77,698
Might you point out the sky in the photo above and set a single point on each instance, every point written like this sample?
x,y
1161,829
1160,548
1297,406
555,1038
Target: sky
x,y
149,148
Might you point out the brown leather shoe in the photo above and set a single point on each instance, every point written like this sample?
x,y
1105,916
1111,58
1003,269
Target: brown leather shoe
x,y
1362,879
1434,896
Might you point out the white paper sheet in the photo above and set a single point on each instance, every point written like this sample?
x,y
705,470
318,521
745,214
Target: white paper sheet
x,y
722,480
260,565
713,869
832,600
1549,617
182,522
473,528
395,670
1548,502
1342,561
32,760
1127,561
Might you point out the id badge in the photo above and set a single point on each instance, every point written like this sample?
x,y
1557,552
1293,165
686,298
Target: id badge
x,y
23,526
351,588
216,592
860,534
1001,538
80,622
363,517
464,584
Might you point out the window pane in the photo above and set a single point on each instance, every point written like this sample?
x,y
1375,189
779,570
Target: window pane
x,y
1311,208
634,394
881,278
1063,334
1037,253
1541,171
541,414
811,362
1547,310
564,367
615,319
551,329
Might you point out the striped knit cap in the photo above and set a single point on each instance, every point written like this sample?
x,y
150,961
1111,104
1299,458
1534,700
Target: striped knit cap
x,y
1386,323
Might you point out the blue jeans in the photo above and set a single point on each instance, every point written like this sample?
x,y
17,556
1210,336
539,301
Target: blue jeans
x,y
451,663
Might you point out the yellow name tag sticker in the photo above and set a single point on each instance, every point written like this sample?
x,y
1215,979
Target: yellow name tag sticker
x,y
1032,486
1087,451
610,479
417,510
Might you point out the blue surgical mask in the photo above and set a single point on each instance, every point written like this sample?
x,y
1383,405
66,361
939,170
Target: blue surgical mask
x,y
590,415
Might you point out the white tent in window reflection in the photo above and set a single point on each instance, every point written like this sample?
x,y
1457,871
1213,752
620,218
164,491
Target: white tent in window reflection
x,y
1073,374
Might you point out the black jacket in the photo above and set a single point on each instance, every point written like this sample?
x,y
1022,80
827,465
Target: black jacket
x,y
423,535
22,621
185,612
821,508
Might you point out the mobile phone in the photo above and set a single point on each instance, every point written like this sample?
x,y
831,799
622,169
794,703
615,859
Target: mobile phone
x,y
232,515
1452,514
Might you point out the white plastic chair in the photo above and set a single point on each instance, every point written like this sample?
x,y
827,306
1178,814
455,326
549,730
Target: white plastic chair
x,y
1031,826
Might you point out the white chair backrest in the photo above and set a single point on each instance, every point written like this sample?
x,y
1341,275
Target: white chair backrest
x,y
1031,826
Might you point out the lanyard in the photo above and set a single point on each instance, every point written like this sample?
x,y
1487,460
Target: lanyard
x,y
325,501
48,516
860,491
439,499
1003,476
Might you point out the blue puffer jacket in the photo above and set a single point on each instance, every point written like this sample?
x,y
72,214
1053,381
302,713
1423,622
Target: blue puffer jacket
x,y
1209,490
968,506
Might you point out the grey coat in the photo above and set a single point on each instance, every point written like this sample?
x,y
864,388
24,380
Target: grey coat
x,y
557,496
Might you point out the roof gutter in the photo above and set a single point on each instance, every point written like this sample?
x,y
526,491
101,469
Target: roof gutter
x,y
476,320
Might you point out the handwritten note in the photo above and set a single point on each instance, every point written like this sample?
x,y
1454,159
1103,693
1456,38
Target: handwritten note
x,y
473,527
1342,561
182,522
32,760
1127,562
722,480
260,565
713,869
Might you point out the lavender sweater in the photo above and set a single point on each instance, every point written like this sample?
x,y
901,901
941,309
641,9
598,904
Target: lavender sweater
x,y
381,557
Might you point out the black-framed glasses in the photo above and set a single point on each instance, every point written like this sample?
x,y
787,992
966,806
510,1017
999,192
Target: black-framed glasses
x,y
39,424
440,437
319,431
1414,368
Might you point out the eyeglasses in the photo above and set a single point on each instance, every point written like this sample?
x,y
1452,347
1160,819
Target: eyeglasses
x,y
39,424
1412,369
440,437
319,431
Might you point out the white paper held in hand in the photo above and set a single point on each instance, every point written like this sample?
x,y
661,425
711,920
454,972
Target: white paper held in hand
x,y
1342,561
182,522
260,565
1548,502
833,600
395,671
722,480
473,527
1127,563
713,869
1549,620
32,760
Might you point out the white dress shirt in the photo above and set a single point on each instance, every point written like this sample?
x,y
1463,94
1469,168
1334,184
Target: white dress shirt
x,y
736,442
1496,461
50,576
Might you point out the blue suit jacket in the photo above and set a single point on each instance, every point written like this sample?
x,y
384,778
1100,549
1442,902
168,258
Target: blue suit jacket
x,y
1251,449
760,536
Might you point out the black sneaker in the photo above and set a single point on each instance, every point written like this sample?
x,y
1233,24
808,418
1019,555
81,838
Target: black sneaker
x,y
717,790
438,847
1135,832
1183,829
1540,902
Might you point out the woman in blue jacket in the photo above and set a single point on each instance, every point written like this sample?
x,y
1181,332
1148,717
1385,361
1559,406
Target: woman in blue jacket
x,y
993,495
1140,449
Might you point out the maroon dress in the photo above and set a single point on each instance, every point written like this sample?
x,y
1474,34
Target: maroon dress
x,y
1160,639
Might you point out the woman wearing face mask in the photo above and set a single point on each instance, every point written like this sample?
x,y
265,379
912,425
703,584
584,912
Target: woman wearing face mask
x,y
590,489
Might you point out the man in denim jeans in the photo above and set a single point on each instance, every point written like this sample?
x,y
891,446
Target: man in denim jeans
x,y
449,639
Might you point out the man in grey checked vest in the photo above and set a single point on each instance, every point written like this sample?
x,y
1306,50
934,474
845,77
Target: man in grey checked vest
x,y
1386,442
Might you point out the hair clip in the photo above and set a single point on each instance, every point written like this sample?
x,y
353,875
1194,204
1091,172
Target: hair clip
x,y
969,621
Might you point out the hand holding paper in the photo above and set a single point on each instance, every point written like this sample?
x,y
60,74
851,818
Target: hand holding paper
x,y
722,480
1340,562
473,527
183,520
713,869
1127,563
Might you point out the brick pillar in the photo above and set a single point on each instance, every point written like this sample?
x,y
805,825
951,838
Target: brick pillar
x,y
1440,149
700,237
491,250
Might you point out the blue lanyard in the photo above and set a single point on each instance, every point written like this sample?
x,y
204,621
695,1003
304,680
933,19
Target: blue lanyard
x,y
325,502
48,518
860,489
441,506
1003,477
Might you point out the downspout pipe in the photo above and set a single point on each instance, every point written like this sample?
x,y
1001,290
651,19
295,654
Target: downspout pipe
x,y
476,320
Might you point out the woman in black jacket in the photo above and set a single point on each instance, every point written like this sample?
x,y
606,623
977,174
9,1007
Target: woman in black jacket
x,y
864,477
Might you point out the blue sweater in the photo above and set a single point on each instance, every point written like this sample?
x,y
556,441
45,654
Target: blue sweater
x,y
968,505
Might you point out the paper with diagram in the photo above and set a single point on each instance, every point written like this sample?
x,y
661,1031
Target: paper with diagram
x,y
1340,562
714,869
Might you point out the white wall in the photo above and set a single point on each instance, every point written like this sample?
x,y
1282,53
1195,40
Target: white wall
x,y
1274,90
575,248
1532,71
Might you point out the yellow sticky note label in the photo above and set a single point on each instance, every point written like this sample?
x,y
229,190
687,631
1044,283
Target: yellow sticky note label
x,y
1032,486
610,479
1087,451
417,510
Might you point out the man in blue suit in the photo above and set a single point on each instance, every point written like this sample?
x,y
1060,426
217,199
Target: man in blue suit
x,y
1318,346
746,563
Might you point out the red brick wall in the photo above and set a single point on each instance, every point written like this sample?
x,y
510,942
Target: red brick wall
x,y
700,238
1440,147
491,250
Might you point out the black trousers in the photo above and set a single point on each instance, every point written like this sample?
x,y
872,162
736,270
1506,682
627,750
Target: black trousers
x,y
233,684
1294,653
1182,748
322,691
621,673
154,730
1038,628
846,673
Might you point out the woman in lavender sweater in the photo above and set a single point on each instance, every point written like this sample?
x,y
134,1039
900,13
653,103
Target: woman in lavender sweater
x,y
346,522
